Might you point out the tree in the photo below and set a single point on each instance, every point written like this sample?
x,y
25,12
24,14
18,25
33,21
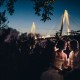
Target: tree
x,y
8,5
44,8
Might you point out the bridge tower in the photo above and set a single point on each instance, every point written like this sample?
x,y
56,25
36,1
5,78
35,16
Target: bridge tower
x,y
33,29
65,17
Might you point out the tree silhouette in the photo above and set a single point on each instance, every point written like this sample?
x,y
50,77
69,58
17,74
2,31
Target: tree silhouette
x,y
44,8
8,5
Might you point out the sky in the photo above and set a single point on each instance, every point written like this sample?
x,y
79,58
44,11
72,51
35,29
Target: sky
x,y
24,16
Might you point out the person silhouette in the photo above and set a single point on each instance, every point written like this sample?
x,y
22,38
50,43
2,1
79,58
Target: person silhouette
x,y
74,60
59,61
74,56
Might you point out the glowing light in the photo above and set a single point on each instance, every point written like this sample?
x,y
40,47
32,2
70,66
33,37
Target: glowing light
x,y
33,28
43,37
65,17
47,36
35,37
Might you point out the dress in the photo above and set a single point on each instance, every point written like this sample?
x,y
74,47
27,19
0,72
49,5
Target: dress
x,y
58,63
53,73
60,60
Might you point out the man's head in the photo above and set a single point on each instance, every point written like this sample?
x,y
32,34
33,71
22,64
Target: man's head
x,y
73,45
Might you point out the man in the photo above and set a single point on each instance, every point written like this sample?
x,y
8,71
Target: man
x,y
74,56
74,60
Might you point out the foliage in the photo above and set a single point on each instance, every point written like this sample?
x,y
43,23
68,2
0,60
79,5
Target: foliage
x,y
44,8
8,5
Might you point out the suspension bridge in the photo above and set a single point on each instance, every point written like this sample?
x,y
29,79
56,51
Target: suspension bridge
x,y
65,29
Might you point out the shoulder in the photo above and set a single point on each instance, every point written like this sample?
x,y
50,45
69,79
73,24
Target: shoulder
x,y
64,54
71,55
78,52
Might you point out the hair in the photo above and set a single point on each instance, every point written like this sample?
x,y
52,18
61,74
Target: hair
x,y
74,44
60,44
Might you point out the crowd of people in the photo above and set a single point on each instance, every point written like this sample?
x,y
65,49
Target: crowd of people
x,y
24,58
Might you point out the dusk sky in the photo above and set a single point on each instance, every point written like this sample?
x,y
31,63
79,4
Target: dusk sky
x,y
24,16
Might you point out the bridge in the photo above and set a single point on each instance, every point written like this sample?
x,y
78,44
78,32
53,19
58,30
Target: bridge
x,y
65,18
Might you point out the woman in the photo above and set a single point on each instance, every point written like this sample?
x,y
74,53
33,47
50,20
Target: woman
x,y
60,59
59,62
